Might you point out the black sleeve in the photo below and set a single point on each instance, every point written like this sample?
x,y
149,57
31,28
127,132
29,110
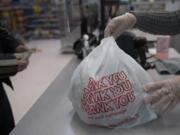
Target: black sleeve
x,y
9,43
8,46
6,56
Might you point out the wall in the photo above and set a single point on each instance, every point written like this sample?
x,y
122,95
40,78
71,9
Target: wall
x,y
172,6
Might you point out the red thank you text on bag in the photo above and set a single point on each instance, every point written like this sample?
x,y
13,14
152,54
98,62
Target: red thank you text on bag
x,y
109,94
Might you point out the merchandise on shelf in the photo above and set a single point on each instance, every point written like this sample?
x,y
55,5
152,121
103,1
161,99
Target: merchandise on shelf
x,y
38,20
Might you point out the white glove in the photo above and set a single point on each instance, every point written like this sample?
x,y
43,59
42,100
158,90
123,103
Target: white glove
x,y
163,95
119,24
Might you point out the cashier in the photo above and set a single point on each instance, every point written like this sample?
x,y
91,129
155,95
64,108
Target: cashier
x,y
165,95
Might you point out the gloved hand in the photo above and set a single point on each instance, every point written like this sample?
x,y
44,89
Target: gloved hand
x,y
163,95
119,24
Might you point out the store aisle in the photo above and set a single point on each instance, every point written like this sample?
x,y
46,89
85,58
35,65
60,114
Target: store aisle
x,y
43,68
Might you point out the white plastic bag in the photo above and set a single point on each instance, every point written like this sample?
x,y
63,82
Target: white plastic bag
x,y
106,88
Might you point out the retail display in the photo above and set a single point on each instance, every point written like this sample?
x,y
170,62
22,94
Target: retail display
x,y
13,18
32,21
43,22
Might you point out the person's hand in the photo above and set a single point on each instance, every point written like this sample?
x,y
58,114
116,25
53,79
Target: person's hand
x,y
163,95
119,24
21,48
22,64
19,56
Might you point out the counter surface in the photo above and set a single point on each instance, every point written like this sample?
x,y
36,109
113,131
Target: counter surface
x,y
53,114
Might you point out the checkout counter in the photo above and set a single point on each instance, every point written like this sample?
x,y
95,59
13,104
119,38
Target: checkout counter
x,y
53,113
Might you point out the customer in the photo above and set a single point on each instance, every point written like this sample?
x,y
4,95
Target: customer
x,y
8,46
165,95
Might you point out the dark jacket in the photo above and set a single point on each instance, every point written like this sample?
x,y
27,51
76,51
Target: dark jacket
x,y
8,46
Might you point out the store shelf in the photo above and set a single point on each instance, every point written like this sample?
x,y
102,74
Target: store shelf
x,y
46,17
32,18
